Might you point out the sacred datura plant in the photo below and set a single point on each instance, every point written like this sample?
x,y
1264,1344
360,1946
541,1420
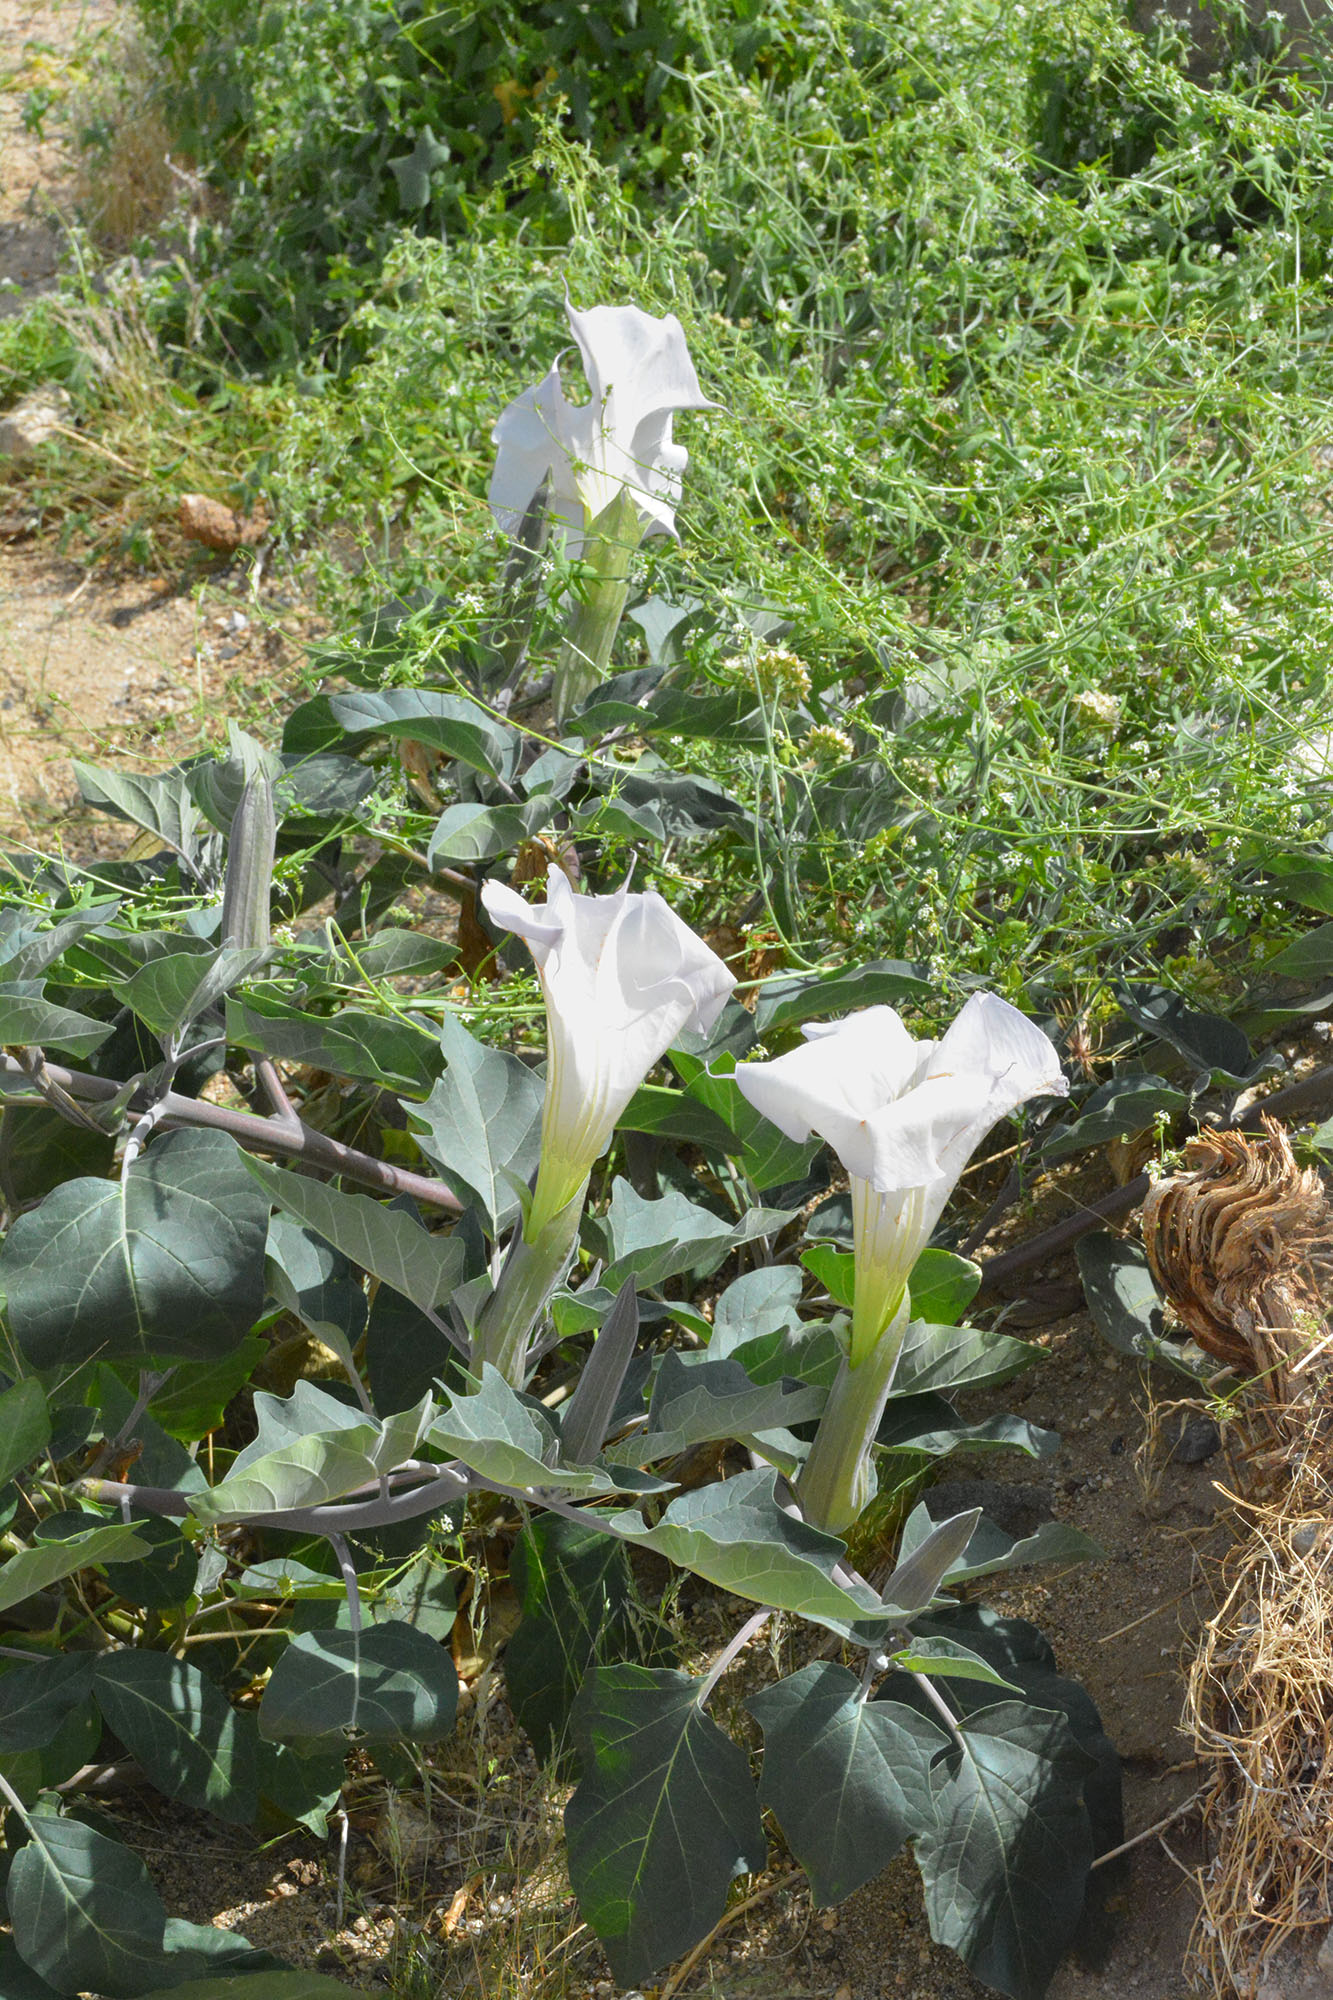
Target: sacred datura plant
x,y
320,1273
610,470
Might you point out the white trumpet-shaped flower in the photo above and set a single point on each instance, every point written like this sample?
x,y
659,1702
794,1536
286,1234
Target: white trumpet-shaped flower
x,y
904,1117
639,372
623,977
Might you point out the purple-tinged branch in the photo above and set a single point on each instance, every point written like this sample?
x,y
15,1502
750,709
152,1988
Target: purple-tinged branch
x,y
286,1139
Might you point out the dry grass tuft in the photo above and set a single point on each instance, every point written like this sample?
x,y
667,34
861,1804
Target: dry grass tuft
x,y
126,186
1242,1247
1259,1702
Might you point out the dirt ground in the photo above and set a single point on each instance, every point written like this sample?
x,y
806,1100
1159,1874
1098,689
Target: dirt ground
x,y
136,669
122,669
37,40
96,663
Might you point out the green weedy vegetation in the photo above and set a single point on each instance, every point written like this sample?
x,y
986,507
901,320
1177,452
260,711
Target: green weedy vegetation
x,y
993,653
1021,338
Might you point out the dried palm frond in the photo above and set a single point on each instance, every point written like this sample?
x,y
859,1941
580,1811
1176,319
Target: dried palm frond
x,y
1242,1246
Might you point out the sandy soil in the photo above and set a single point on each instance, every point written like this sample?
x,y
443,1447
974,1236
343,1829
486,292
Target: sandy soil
x,y
134,669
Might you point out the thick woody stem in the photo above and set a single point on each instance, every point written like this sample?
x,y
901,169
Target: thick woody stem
x,y
337,1518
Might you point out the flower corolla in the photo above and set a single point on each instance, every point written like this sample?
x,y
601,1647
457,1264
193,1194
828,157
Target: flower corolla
x,y
904,1117
639,372
622,977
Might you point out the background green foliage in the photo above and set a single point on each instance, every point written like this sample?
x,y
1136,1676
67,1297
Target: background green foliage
x,y
1021,336
331,126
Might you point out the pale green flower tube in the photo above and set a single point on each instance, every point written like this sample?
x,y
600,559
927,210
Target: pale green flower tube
x,y
535,1262
585,650
837,1481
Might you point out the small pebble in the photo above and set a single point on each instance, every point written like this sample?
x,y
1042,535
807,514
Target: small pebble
x,y
1199,1438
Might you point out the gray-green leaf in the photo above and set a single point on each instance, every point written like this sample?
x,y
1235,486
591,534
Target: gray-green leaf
x,y
25,1427
386,1241
387,1050
33,1569
786,1001
384,1683
182,1729
481,1124
1005,1866
990,1550
1125,1105
308,1471
36,1699
86,1918
160,804
514,1443
26,1018
170,992
168,1260
959,1357
663,1819
653,1240
452,723
735,1534
17,1980
693,1402
316,1282
468,833
848,1779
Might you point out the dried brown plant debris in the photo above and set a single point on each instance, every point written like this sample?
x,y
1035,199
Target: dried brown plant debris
x,y
1241,1244
1259,1705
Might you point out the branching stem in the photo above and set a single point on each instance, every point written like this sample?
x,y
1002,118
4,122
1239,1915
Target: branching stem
x,y
337,1518
12,1798
937,1702
285,1141
736,1644
150,1381
284,1113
